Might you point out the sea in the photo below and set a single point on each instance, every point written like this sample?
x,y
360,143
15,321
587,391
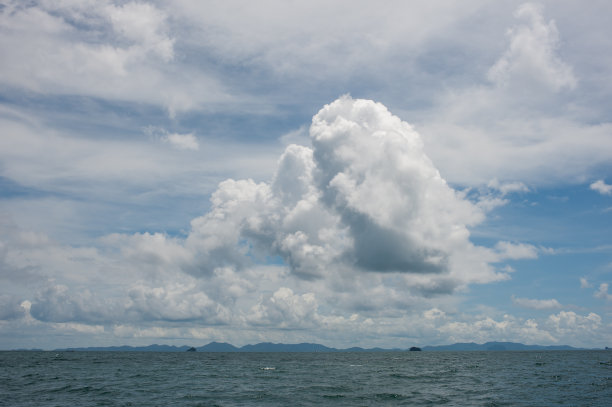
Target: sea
x,y
492,378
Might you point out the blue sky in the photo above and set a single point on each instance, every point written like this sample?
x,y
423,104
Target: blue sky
x,y
334,172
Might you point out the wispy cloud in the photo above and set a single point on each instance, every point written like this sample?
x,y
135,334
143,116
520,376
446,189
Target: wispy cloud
x,y
509,250
536,304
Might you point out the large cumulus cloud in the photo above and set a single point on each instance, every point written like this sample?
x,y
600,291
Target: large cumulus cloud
x,y
365,197
374,175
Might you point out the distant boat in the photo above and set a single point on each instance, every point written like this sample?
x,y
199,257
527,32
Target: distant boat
x,y
415,349
192,349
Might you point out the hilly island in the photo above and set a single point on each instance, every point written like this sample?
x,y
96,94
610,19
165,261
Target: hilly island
x,y
314,347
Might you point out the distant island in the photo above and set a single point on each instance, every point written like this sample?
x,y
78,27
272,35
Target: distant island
x,y
314,347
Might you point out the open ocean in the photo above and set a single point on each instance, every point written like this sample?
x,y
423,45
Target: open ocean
x,y
505,378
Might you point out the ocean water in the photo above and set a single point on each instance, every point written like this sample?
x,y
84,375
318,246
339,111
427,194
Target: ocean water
x,y
550,378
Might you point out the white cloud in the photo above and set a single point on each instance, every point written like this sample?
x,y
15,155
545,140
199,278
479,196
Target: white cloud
x,y
175,303
603,293
305,39
569,325
512,148
58,303
128,52
488,202
515,251
284,309
584,283
562,328
182,141
151,249
365,197
507,187
536,304
484,329
531,57
434,313
524,127
601,187
100,49
142,23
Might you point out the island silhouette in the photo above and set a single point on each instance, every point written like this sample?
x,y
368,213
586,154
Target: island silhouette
x,y
315,347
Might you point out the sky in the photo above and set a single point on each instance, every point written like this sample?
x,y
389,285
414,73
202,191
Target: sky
x,y
344,173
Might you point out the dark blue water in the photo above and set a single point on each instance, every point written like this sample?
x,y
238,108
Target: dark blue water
x,y
568,378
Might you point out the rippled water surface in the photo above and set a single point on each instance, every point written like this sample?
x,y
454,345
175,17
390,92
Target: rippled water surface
x,y
568,378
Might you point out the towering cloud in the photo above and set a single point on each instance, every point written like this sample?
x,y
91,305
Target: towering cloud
x,y
365,197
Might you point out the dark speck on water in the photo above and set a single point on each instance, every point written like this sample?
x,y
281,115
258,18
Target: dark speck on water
x,y
503,378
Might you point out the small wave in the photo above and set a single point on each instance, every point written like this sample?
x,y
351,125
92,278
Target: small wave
x,y
389,396
402,376
267,368
334,396
60,389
